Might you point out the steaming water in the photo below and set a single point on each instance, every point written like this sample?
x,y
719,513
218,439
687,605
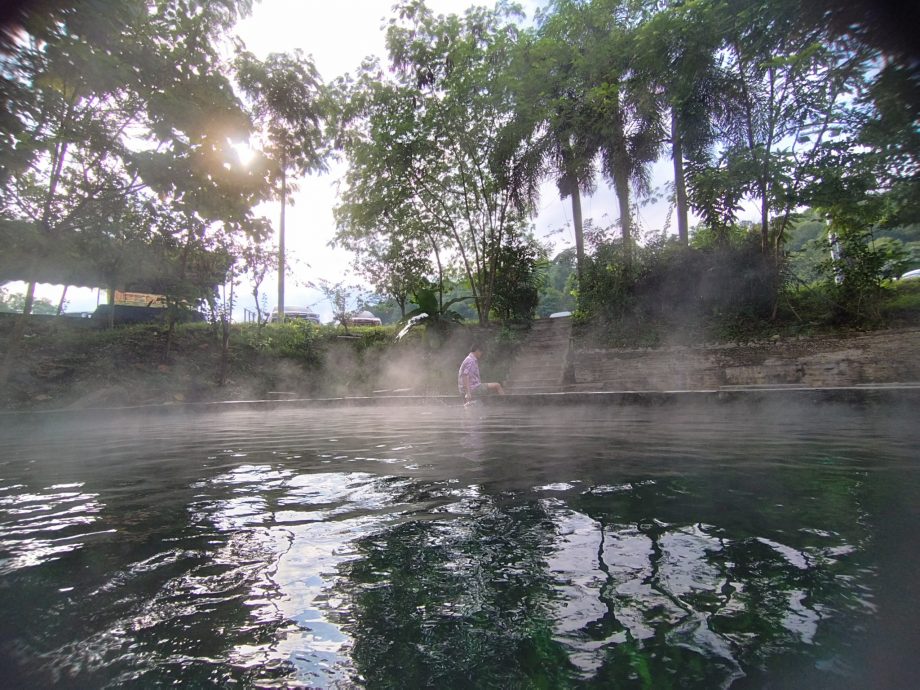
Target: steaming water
x,y
437,547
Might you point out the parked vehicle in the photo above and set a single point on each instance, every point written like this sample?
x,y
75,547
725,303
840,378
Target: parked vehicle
x,y
364,318
295,313
911,275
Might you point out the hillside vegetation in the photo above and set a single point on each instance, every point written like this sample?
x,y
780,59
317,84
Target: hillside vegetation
x,y
67,364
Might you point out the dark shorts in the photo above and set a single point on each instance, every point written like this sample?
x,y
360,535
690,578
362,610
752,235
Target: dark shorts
x,y
478,392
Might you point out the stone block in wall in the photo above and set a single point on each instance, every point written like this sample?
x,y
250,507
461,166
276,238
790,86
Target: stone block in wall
x,y
889,357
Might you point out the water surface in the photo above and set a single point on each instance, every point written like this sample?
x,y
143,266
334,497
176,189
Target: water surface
x,y
434,547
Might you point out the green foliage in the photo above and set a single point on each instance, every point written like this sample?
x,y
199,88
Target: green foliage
x,y
715,194
420,141
518,280
731,236
900,303
439,316
556,292
854,274
14,303
289,105
82,87
297,339
665,291
373,337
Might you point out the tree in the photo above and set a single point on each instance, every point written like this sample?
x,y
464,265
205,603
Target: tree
x,y
675,60
420,143
346,300
547,136
628,129
394,266
107,109
289,108
619,117
787,88
519,279
379,219
14,302
257,261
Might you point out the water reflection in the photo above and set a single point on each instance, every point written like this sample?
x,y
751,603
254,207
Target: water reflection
x,y
494,551
40,527
530,589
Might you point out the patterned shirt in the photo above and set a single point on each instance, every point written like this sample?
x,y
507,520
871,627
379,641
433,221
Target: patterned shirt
x,y
470,367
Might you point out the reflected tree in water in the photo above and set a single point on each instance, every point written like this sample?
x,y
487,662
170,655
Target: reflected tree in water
x,y
610,587
462,601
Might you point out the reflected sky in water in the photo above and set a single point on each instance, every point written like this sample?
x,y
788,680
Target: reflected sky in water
x,y
442,547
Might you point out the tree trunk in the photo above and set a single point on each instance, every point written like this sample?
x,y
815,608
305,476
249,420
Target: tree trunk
x,y
19,329
621,187
255,295
171,315
579,228
281,240
60,308
437,258
680,186
764,218
110,296
225,337
619,165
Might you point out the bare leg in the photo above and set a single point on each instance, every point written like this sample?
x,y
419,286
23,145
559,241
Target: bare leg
x,y
496,388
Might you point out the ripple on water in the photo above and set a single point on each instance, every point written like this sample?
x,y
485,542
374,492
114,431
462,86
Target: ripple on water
x,y
38,527
355,548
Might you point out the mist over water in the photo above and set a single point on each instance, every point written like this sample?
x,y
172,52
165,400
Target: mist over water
x,y
502,546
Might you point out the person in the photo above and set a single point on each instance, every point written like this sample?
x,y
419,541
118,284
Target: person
x,y
468,379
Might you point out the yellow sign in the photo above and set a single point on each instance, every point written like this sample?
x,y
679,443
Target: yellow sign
x,y
139,299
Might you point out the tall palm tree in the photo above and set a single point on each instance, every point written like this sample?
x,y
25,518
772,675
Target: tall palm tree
x,y
545,137
624,122
675,53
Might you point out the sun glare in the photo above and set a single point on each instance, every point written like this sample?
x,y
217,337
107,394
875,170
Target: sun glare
x,y
244,152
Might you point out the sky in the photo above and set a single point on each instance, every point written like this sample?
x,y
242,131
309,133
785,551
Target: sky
x,y
338,36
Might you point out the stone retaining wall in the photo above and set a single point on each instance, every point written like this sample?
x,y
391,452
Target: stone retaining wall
x,y
877,358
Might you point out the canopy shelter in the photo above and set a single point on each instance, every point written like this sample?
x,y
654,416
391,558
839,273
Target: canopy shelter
x,y
100,262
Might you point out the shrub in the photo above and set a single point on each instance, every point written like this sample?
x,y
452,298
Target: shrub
x,y
665,287
296,339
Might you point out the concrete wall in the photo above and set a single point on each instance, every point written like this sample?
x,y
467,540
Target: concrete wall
x,y
876,358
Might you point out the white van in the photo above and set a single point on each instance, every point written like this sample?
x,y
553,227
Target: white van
x,y
295,313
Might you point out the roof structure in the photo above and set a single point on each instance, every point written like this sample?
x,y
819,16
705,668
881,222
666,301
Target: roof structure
x,y
29,255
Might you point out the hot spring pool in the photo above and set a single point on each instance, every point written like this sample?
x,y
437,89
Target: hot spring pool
x,y
608,546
